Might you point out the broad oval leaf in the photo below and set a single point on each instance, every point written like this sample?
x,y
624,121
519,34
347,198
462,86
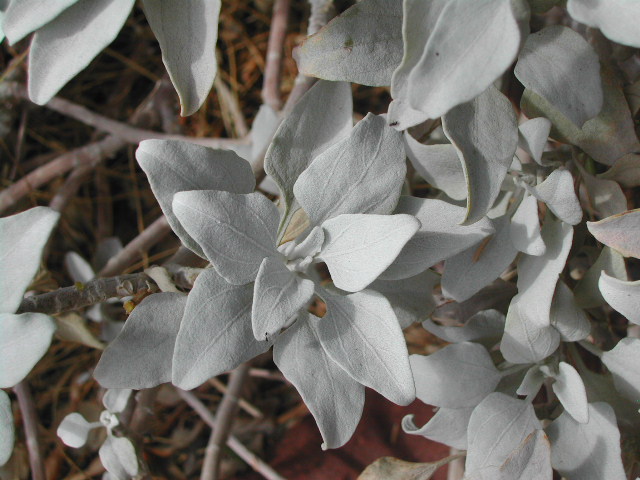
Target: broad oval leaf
x,y
174,166
440,236
361,45
470,46
603,197
140,356
74,430
620,232
439,165
533,135
24,339
469,372
469,271
411,298
26,16
362,173
236,231
360,333
567,317
68,43
215,335
448,426
278,295
115,400
485,133
6,427
358,248
302,136
334,398
571,392
587,294
525,227
560,66
587,451
558,192
497,428
119,457
22,239
187,33
616,18
622,362
485,327
624,297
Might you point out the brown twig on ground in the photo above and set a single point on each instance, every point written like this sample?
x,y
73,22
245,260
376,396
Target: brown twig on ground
x,y
134,249
233,443
90,293
230,103
242,403
71,186
273,68
30,421
224,420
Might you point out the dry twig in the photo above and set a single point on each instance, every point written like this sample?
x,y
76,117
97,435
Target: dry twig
x,y
30,421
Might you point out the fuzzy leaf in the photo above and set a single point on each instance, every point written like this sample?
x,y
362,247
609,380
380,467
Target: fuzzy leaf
x,y
25,16
278,295
485,327
6,427
469,371
558,193
469,271
440,236
620,232
187,33
236,231
22,239
532,382
302,137
587,294
603,197
497,428
485,133
362,45
335,399
74,430
617,18
358,248
589,451
571,392
448,426
215,335
530,461
174,166
529,336
411,298
362,173
560,66
24,339
469,47
605,138
361,334
623,296
622,362
389,468
140,356
532,137
625,171
68,43
119,457
525,227
567,317
439,165
115,400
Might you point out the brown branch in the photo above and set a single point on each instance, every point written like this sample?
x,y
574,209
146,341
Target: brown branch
x,y
30,421
224,420
90,293
233,443
134,249
71,186
273,68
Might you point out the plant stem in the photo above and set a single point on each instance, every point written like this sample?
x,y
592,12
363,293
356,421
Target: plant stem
x,y
273,68
30,421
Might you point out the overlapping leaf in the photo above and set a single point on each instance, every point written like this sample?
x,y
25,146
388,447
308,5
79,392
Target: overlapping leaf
x,y
620,232
616,18
6,427
26,16
622,296
622,362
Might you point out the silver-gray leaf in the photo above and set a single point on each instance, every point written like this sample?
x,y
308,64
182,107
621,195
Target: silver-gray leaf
x,y
334,398
571,392
448,426
533,135
558,192
119,457
6,427
567,317
622,362
140,356
620,232
26,16
587,293
485,327
236,231
525,227
617,18
622,296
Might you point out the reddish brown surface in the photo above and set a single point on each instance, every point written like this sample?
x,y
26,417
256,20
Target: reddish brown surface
x,y
298,455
